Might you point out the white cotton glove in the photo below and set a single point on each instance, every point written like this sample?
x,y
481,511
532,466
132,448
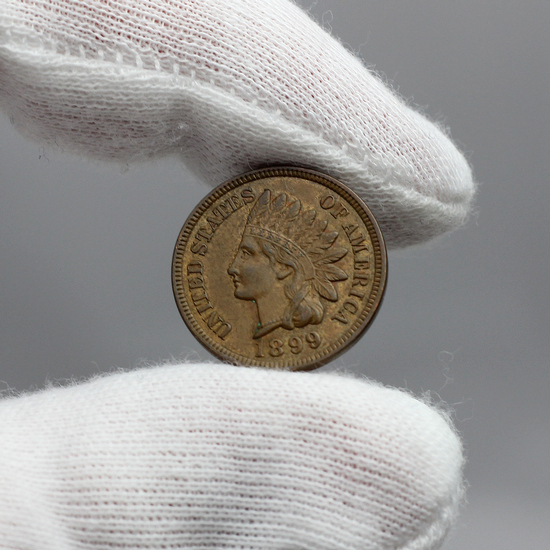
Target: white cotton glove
x,y
214,456
231,85
206,456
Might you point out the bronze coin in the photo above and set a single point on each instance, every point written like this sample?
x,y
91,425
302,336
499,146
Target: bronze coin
x,y
280,268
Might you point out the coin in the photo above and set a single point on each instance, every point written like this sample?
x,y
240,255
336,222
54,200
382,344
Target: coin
x,y
280,268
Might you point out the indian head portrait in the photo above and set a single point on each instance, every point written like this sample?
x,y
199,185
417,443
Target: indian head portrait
x,y
285,264
280,267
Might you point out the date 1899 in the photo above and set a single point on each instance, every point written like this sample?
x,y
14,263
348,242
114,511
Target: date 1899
x,y
294,344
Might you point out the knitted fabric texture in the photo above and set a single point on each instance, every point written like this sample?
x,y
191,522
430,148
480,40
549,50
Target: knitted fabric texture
x,y
214,456
230,85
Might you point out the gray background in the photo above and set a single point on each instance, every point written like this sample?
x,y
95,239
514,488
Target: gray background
x,y
86,247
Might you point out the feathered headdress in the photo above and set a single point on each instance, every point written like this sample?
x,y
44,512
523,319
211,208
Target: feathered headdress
x,y
281,221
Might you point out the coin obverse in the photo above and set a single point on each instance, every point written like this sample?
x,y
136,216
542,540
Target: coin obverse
x,y
280,268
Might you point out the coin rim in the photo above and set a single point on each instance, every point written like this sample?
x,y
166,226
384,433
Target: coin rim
x,y
350,336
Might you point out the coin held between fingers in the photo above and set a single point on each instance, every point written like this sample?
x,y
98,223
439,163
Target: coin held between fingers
x,y
280,268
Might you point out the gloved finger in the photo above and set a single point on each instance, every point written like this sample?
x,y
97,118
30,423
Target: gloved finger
x,y
214,456
231,85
